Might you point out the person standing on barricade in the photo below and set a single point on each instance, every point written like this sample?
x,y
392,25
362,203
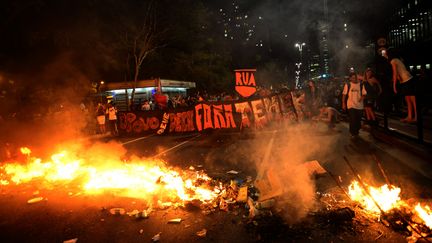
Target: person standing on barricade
x,y
407,83
353,95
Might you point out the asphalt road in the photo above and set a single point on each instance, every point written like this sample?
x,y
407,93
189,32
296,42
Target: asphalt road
x,y
87,218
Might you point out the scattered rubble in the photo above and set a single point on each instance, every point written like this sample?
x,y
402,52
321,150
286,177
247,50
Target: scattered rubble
x,y
175,221
156,237
117,211
232,172
202,233
36,200
71,240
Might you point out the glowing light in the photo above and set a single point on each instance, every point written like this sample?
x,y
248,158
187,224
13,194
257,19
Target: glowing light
x,y
425,213
387,197
144,179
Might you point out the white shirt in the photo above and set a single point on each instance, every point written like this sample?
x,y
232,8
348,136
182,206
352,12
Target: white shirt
x,y
112,113
145,107
354,97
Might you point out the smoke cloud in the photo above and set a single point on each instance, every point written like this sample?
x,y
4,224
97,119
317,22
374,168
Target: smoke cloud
x,y
44,107
298,144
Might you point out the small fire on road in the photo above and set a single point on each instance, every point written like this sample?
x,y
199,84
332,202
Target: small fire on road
x,y
385,201
140,178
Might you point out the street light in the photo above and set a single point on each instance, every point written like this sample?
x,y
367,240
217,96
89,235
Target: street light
x,y
99,87
299,46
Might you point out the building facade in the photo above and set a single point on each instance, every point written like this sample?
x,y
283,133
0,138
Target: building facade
x,y
410,32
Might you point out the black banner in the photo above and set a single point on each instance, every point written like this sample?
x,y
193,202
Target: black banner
x,y
235,115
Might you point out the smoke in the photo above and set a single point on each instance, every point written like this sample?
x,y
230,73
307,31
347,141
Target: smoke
x,y
44,106
291,149
281,24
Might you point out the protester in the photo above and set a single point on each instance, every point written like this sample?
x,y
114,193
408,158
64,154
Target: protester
x,y
100,117
311,99
328,115
353,95
146,106
373,89
112,118
386,102
407,83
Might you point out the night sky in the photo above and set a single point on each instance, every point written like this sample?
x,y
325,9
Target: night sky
x,y
51,39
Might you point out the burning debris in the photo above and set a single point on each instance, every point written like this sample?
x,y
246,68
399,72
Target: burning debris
x,y
162,187
143,179
385,204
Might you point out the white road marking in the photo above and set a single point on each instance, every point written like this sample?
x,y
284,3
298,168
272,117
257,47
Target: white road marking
x,y
138,139
178,145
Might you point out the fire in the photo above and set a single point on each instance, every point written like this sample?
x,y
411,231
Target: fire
x,y
144,179
425,213
387,197
25,151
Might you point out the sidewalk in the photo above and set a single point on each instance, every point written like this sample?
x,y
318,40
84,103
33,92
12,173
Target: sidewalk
x,y
406,129
413,155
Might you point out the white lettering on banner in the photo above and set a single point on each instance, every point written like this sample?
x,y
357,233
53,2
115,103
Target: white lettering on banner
x,y
164,123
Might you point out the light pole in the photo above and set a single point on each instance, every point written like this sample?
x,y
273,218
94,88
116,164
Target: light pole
x,y
99,89
299,46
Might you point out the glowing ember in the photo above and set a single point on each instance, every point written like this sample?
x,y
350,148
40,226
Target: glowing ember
x,y
145,179
387,197
25,151
425,213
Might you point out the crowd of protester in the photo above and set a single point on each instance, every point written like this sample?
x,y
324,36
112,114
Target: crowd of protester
x,y
387,86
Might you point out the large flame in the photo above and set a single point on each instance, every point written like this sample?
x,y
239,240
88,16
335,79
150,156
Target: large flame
x,y
145,179
425,213
387,197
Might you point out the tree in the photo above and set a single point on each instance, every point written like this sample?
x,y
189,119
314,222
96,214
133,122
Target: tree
x,y
141,36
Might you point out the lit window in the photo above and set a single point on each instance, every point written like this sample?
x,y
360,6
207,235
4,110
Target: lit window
x,y
418,67
427,66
